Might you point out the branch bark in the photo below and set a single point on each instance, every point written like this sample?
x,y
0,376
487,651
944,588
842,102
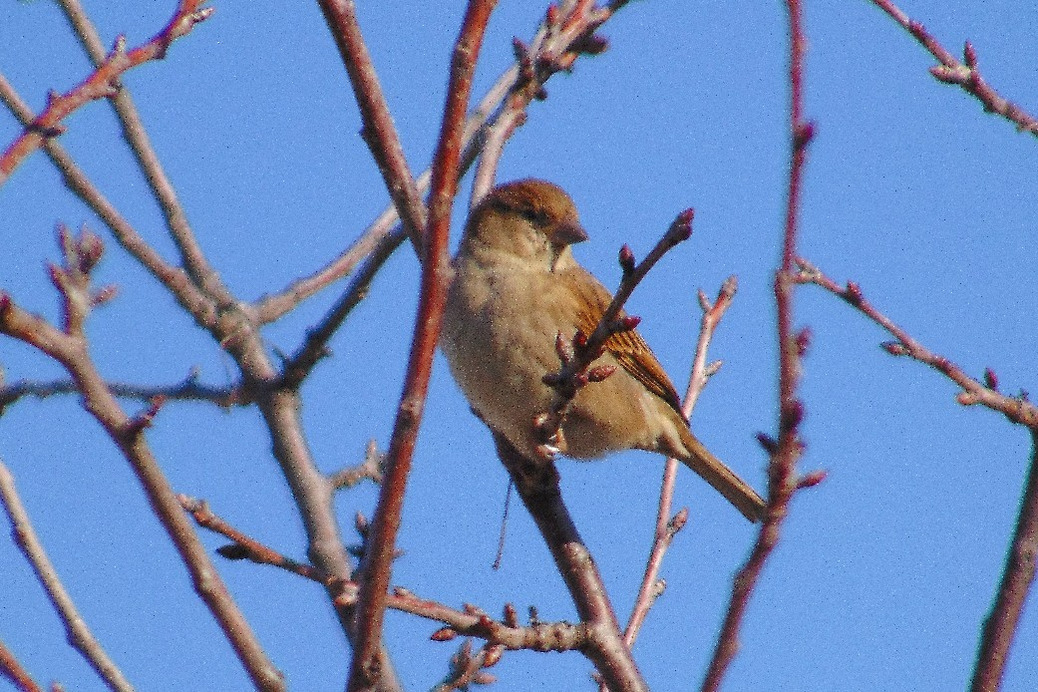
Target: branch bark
x,y
365,670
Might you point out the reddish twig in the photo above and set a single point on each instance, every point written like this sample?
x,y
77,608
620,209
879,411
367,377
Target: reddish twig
x,y
77,631
1016,408
1018,574
102,83
965,74
783,452
470,621
1017,578
489,125
364,670
567,32
200,306
667,526
578,354
12,669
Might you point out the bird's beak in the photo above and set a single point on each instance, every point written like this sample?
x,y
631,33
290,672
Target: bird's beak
x,y
569,233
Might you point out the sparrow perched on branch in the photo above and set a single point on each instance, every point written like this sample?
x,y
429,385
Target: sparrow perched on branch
x,y
516,287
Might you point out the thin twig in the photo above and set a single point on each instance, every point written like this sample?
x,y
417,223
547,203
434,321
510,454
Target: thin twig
x,y
79,634
197,304
568,30
783,452
578,354
489,124
378,130
364,670
190,389
1016,408
1018,575
12,669
667,526
965,74
70,350
136,136
102,83
470,621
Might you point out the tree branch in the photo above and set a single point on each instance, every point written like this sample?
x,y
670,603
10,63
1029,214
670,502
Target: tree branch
x,y
69,348
667,526
1017,578
537,483
964,74
78,633
364,670
786,450
1018,574
378,131
102,83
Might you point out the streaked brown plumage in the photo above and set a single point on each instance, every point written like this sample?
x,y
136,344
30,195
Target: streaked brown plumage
x,y
516,286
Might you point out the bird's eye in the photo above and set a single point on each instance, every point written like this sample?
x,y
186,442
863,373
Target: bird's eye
x,y
535,216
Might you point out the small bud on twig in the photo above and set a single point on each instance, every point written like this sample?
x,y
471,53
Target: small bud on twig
x,y
233,551
492,654
626,259
895,348
990,379
600,373
811,479
768,442
444,634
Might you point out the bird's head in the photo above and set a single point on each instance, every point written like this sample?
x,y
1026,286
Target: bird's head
x,y
529,219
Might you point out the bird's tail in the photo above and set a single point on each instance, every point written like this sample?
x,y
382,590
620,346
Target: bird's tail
x,y
723,479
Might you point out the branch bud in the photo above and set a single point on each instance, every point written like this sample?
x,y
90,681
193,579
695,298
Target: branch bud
x,y
990,379
626,259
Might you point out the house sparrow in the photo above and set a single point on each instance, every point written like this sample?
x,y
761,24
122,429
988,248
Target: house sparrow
x,y
516,286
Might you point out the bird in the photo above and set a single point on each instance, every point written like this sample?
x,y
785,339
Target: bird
x,y
516,287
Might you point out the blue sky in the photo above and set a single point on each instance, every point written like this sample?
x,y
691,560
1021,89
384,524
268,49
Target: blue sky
x,y
885,571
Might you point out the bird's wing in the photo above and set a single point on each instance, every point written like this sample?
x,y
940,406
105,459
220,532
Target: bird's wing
x,y
628,348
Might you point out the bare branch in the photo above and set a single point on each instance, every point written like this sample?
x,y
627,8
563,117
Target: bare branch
x,y
364,670
190,389
79,634
489,125
786,450
538,485
198,268
379,131
70,350
668,526
471,621
1018,574
1016,408
197,304
584,349
965,74
12,669
1017,579
102,83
